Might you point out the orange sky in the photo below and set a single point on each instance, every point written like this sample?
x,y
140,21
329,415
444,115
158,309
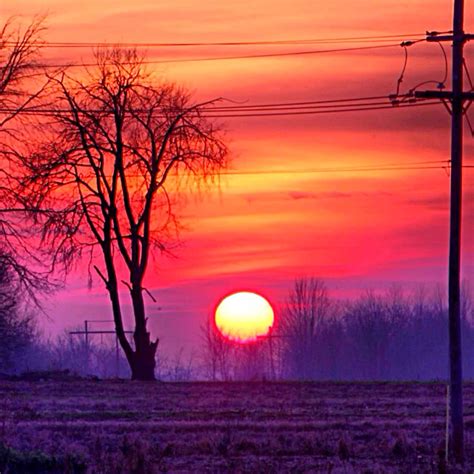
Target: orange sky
x,y
354,229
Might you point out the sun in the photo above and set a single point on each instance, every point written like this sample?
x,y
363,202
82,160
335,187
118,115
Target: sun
x,y
244,316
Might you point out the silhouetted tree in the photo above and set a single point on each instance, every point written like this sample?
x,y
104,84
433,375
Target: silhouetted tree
x,y
301,321
22,82
371,328
216,353
16,324
393,335
178,368
100,181
19,68
224,359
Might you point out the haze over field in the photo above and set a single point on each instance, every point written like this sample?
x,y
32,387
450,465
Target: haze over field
x,y
240,427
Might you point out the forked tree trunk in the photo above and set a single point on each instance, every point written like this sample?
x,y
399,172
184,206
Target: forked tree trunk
x,y
143,361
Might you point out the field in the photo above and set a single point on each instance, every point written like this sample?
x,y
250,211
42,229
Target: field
x,y
121,426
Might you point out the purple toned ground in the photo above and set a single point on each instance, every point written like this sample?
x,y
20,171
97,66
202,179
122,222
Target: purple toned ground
x,y
118,426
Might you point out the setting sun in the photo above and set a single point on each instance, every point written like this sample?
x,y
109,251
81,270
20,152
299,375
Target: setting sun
x,y
244,316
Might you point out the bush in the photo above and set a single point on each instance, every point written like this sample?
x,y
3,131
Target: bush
x,y
36,462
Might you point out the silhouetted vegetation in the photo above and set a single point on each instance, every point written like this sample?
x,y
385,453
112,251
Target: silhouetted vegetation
x,y
36,462
22,85
378,336
20,48
17,330
99,180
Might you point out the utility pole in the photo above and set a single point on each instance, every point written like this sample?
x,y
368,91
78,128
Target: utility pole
x,y
457,98
87,332
86,336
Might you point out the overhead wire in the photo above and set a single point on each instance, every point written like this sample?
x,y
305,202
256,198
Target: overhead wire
x,y
287,109
415,165
258,113
372,103
437,165
442,83
402,73
322,103
300,107
333,170
231,58
328,111
361,101
395,98
92,44
243,106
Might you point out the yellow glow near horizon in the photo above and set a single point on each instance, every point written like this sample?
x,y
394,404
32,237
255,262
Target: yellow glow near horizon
x,y
244,316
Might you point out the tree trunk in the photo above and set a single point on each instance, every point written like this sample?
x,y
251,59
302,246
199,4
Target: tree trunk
x,y
141,360
143,363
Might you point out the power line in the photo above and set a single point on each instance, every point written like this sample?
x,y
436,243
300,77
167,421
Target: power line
x,y
229,58
334,170
298,107
318,112
236,106
300,104
441,166
411,166
91,44
138,45
267,112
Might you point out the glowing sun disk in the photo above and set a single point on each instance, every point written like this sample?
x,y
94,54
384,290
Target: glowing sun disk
x,y
244,316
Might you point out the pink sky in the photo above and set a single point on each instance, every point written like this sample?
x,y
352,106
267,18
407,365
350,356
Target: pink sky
x,y
356,230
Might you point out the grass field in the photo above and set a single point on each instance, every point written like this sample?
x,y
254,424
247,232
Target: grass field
x,y
121,426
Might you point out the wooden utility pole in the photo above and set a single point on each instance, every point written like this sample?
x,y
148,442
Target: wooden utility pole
x,y
86,336
457,98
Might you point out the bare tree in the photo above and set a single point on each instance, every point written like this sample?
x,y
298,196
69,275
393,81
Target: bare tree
x,y
306,309
21,83
217,353
224,359
17,328
100,181
178,368
371,328
19,54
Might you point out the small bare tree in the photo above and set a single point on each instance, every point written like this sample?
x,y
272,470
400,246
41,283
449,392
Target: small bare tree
x,y
100,181
306,308
217,353
372,320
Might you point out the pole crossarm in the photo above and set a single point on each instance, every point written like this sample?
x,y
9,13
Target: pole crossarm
x,y
87,332
97,332
438,38
434,94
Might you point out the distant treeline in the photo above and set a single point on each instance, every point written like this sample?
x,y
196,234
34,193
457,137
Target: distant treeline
x,y
389,336
395,335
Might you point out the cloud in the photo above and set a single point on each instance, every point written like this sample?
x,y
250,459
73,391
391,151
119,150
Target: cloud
x,y
296,195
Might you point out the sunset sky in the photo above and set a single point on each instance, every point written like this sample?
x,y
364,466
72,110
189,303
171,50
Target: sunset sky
x,y
355,229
